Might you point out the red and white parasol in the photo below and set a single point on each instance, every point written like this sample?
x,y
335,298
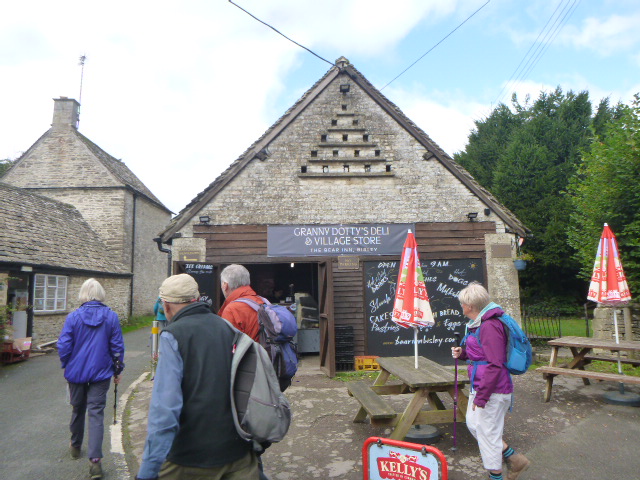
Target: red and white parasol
x,y
608,282
411,307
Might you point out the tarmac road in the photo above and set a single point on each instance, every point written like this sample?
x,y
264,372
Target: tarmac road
x,y
34,418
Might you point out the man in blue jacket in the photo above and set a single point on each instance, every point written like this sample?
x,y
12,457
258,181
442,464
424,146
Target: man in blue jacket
x,y
91,350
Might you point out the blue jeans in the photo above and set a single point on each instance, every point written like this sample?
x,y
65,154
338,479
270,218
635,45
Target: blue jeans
x,y
91,397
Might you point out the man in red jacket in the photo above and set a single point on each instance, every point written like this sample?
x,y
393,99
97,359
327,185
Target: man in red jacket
x,y
235,282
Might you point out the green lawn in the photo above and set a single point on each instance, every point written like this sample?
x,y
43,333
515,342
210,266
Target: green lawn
x,y
566,326
136,323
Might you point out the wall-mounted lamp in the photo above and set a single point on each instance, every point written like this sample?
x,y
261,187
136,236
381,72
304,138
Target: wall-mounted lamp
x,y
487,211
344,88
205,219
472,216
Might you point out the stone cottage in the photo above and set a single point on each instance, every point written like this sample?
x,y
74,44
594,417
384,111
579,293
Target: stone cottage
x,y
319,207
67,167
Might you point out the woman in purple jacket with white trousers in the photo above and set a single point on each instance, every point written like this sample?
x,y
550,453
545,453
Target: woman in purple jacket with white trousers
x,y
485,349
91,350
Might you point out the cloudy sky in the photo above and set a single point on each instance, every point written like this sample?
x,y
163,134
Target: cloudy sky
x,y
178,90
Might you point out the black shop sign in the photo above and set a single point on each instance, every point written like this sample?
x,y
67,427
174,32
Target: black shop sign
x,y
335,240
444,279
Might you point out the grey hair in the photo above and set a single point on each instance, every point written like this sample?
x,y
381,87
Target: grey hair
x,y
474,295
91,290
236,276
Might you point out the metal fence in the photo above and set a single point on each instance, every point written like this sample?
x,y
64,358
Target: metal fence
x,y
541,324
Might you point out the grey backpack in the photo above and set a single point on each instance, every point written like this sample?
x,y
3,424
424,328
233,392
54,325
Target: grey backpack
x,y
261,412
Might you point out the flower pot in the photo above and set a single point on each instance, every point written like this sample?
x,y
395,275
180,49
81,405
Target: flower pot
x,y
520,264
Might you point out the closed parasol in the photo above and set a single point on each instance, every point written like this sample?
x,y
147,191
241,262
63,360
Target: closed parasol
x,y
411,307
609,284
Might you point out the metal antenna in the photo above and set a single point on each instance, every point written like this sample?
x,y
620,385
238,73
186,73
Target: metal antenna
x,y
83,59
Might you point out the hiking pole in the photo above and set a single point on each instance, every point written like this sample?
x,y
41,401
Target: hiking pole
x,y
116,372
455,398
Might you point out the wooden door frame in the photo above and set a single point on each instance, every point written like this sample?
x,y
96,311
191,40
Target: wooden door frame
x,y
327,323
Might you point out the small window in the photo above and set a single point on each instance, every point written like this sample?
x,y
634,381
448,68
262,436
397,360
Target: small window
x,y
50,293
344,107
345,138
303,169
355,122
314,153
323,138
356,153
367,168
345,168
335,153
377,153
325,168
365,137
334,122
388,169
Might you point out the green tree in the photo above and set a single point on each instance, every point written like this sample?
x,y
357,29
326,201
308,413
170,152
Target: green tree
x,y
607,190
5,165
487,143
525,156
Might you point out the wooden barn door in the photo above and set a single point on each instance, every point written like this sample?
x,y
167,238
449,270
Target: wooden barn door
x,y
327,330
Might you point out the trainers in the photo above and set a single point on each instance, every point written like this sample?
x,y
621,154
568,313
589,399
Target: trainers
x,y
516,464
74,451
95,471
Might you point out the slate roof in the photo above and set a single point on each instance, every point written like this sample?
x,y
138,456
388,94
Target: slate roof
x,y
342,66
119,169
40,231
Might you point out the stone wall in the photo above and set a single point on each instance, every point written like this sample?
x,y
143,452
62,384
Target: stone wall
x,y
274,191
628,319
503,281
47,327
150,264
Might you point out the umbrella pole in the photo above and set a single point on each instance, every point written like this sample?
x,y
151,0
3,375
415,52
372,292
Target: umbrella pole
x,y
415,344
615,326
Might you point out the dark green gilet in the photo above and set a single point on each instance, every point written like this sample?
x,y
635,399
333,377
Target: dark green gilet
x,y
207,436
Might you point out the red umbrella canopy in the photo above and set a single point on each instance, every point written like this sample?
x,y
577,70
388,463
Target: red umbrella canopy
x,y
608,282
411,307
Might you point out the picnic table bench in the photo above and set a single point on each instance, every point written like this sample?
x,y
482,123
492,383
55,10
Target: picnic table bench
x,y
423,383
582,351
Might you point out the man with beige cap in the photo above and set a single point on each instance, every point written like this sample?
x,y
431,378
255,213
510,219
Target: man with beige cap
x,y
191,432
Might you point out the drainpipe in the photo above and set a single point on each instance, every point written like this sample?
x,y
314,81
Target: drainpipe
x,y
133,255
158,240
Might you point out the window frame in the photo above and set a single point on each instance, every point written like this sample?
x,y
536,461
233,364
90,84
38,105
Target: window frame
x,y
43,295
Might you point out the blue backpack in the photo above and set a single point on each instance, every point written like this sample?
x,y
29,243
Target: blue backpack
x,y
278,326
519,351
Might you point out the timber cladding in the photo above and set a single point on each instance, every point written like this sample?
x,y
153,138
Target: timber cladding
x,y
438,241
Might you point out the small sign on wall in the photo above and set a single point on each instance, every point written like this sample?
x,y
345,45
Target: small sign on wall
x,y
189,256
347,262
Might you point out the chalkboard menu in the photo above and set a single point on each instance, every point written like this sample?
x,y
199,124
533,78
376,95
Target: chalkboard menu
x,y
444,280
205,276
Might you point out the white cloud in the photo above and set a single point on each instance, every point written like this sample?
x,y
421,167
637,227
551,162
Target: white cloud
x,y
606,36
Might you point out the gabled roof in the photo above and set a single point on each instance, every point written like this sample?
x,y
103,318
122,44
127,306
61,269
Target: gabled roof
x,y
342,66
120,170
117,167
40,231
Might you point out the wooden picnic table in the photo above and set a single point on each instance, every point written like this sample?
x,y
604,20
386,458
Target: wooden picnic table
x,y
423,384
582,349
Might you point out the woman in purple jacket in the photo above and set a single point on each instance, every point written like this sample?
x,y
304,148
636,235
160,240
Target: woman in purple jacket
x,y
490,398
91,350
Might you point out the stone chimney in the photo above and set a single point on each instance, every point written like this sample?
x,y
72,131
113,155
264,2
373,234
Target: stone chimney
x,y
66,113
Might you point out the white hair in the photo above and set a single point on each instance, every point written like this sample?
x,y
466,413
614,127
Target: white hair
x,y
91,290
235,276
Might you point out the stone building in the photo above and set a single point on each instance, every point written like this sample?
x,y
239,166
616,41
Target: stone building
x,y
320,206
124,215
